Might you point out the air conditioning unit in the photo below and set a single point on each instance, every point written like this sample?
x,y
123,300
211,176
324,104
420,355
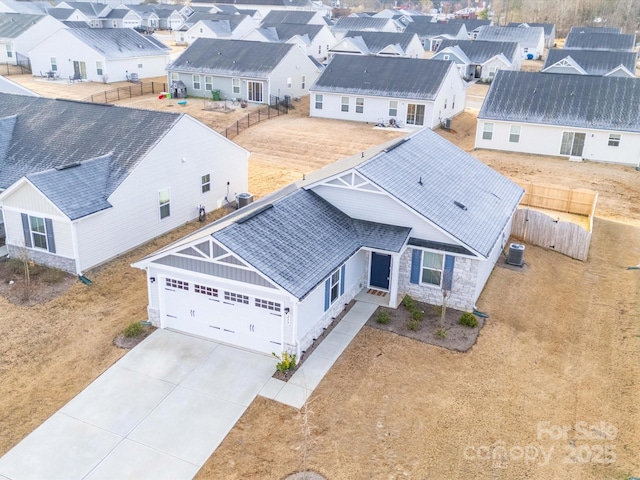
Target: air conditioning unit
x,y
516,254
446,124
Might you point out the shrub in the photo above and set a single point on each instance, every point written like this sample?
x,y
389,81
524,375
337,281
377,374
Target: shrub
x,y
437,310
408,303
468,320
52,275
413,324
383,317
417,315
287,362
133,330
15,266
441,333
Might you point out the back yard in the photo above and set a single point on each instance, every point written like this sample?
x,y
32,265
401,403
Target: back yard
x,y
561,347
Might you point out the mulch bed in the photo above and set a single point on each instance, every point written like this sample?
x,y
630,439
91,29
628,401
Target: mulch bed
x,y
129,342
459,338
44,284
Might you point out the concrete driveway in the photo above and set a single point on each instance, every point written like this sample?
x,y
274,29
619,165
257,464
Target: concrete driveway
x,y
159,413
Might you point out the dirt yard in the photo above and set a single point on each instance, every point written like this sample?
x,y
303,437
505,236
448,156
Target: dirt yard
x,y
561,346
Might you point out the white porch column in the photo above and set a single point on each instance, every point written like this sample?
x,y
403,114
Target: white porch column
x,y
395,278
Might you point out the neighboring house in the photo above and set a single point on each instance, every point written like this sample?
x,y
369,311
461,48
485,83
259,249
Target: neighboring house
x,y
9,86
591,62
121,17
84,183
297,17
20,32
244,69
364,24
100,54
615,42
225,26
575,116
614,30
163,17
379,43
479,59
314,39
531,39
20,6
68,15
95,12
549,31
472,25
411,218
432,34
266,6
415,92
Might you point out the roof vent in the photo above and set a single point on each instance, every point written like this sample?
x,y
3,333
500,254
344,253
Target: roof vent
x,y
68,165
420,181
460,205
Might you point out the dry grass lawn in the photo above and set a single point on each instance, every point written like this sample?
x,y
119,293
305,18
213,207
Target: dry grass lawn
x,y
562,346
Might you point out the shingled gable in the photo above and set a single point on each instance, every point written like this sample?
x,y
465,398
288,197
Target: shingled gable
x,y
609,103
48,133
593,62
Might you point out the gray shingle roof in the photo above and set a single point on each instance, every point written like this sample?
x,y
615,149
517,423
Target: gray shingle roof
x,y
80,190
117,13
360,23
119,42
280,3
429,29
479,51
231,57
574,30
287,16
287,30
448,175
60,13
13,25
302,239
608,103
376,41
90,9
383,76
594,62
600,41
471,24
71,24
524,36
548,27
49,133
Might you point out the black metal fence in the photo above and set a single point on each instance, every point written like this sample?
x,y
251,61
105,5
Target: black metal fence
x,y
133,90
277,106
21,68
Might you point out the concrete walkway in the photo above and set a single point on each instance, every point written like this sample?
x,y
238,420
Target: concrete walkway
x,y
302,384
159,413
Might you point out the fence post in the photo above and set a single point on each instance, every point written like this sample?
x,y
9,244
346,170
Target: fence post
x,y
105,97
152,89
237,127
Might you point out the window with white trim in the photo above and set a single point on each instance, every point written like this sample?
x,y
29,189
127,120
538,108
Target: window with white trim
x,y
267,304
334,287
432,267
164,201
393,108
453,102
235,86
208,83
289,82
206,183
196,82
319,100
514,134
614,139
445,57
179,284
492,71
99,68
487,131
175,76
139,65
9,52
38,232
304,82
445,103
236,297
54,64
359,105
344,102
204,290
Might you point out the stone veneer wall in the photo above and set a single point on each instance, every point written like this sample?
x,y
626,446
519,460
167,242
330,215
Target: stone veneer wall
x,y
329,315
465,273
45,258
154,316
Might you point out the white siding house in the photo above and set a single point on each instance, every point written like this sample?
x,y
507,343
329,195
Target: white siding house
x,y
100,55
531,39
480,59
20,32
578,117
375,89
234,27
271,276
120,178
315,40
244,69
379,43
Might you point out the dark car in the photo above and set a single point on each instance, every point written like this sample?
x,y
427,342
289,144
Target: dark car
x,y
144,30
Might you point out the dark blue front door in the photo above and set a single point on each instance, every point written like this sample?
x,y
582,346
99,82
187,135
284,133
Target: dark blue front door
x,y
380,270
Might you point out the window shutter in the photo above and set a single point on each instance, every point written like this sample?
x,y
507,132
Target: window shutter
x,y
416,260
26,230
449,262
51,243
327,294
342,270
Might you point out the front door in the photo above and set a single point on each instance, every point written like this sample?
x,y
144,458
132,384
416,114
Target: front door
x,y
380,270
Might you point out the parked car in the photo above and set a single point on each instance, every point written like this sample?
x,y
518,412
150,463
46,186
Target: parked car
x,y
144,30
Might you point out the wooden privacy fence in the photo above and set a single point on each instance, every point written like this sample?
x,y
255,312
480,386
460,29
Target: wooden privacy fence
x,y
133,90
572,238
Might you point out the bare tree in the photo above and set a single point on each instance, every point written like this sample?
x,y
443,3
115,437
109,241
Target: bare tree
x,y
24,255
445,289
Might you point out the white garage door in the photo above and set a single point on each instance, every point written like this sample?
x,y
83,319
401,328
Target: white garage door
x,y
221,314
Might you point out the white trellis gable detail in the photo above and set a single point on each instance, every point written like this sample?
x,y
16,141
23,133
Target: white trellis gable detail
x,y
352,180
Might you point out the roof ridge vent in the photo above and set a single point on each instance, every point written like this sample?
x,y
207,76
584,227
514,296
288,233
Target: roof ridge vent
x,y
460,205
67,166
